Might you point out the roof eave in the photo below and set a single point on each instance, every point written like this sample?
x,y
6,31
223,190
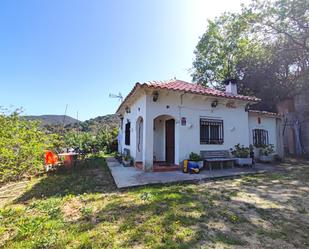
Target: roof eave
x,y
134,89
268,114
138,85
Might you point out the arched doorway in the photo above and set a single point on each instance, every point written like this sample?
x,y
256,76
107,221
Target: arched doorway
x,y
139,140
164,139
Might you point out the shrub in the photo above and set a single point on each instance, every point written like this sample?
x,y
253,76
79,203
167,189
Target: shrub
x,y
107,140
240,151
127,158
82,140
104,140
267,150
22,146
194,157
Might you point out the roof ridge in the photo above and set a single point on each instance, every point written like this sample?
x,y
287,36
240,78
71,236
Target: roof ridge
x,y
158,81
187,87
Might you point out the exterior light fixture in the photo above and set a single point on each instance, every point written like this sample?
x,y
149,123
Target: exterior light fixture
x,y
247,108
128,110
155,96
214,103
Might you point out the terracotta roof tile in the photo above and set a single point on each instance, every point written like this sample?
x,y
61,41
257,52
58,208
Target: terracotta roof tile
x,y
179,85
273,114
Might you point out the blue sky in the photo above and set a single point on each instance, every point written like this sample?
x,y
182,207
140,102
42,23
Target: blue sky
x,y
75,52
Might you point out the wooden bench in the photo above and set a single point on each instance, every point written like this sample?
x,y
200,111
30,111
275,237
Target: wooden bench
x,y
216,156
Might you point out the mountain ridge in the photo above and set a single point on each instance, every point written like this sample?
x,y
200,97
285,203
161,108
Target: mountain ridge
x,y
51,119
55,122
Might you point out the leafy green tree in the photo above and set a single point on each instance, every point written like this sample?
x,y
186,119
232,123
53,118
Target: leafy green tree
x,y
82,140
282,19
107,140
219,50
265,47
104,140
22,146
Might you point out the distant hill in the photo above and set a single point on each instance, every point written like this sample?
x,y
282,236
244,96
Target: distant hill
x,y
54,123
53,119
110,121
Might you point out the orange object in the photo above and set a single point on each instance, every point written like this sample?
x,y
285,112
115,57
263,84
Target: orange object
x,y
50,158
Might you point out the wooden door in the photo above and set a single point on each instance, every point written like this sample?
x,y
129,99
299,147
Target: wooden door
x,y
170,141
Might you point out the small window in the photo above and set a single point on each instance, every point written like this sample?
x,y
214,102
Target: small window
x,y
127,133
211,131
260,137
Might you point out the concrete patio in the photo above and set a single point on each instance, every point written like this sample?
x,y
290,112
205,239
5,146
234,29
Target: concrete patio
x,y
125,177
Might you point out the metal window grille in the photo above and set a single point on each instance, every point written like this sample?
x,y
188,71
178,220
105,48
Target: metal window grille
x,y
211,131
260,137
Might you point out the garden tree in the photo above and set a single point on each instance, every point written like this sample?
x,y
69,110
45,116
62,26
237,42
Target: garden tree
x,y
265,47
219,50
282,19
104,140
261,77
285,25
81,140
107,139
22,146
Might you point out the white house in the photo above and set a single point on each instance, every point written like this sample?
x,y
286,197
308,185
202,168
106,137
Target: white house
x,y
164,121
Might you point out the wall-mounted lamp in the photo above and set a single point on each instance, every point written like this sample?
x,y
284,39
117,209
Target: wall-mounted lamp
x,y
128,110
247,108
214,103
155,96
183,121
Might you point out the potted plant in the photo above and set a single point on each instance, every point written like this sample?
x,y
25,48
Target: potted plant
x,y
194,157
127,161
241,153
119,157
267,153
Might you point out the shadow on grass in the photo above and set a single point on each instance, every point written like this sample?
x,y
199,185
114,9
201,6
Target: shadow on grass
x,y
176,217
170,216
89,176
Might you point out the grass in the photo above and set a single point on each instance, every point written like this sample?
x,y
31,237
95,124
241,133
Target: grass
x,y
83,209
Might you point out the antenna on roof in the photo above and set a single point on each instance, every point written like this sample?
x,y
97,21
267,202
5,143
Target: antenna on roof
x,y
65,114
115,96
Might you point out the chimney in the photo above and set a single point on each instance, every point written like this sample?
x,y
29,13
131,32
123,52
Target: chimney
x,y
231,86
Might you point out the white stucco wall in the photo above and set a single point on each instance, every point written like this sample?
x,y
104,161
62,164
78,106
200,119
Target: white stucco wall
x,y
237,125
139,139
159,139
187,138
137,109
267,123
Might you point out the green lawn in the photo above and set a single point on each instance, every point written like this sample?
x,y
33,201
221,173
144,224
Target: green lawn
x,y
83,209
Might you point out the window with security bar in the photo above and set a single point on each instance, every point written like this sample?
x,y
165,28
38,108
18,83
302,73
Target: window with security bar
x,y
260,137
211,131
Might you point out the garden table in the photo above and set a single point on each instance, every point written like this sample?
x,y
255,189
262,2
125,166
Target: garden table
x,y
69,159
